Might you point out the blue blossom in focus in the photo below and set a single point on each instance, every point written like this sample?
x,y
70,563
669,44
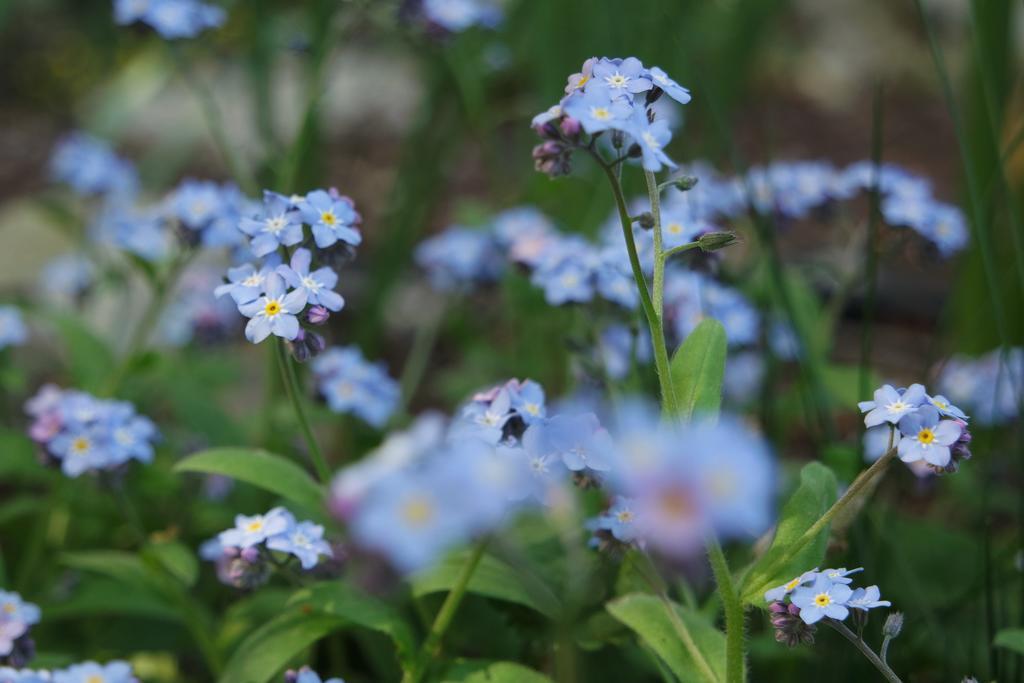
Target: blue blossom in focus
x,y
459,258
618,77
780,592
598,111
351,384
822,598
652,138
13,331
619,520
274,312
277,224
255,529
945,407
925,436
318,284
246,282
332,218
890,404
662,80
866,598
527,400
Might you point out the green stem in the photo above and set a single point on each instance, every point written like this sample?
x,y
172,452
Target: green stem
x,y
851,494
215,122
654,197
432,644
865,650
735,665
680,249
291,384
661,363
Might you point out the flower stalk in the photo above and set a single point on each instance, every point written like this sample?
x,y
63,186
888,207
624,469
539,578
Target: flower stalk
x,y
291,384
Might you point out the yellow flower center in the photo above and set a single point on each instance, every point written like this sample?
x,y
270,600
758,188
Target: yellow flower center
x,y
254,526
582,82
328,218
674,228
418,511
95,678
272,308
793,584
926,436
941,405
9,607
532,408
625,516
822,600
600,113
80,445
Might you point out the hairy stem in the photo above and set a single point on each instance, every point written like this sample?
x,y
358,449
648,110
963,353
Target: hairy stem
x,y
735,665
654,197
865,650
291,384
661,363
432,644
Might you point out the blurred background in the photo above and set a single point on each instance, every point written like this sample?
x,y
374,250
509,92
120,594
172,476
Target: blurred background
x,y
424,129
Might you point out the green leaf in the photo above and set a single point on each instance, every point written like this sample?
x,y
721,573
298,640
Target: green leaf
x,y
262,656
645,614
259,468
470,671
18,461
814,496
493,578
120,566
105,597
176,558
1011,639
340,600
697,370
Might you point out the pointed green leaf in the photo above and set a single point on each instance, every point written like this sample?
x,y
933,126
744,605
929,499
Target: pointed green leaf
x,y
697,370
814,496
266,651
179,560
493,578
646,615
1011,639
338,599
259,468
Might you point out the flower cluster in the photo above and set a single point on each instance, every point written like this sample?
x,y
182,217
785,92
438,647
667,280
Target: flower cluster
x,y
799,604
91,168
611,96
674,485
13,331
244,553
172,19
208,212
930,428
85,672
272,294
351,384
989,386
85,433
194,314
460,257
307,675
16,616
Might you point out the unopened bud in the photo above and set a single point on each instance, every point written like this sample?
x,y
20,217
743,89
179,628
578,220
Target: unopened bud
x,y
317,315
645,220
685,183
634,151
552,158
571,128
713,241
893,625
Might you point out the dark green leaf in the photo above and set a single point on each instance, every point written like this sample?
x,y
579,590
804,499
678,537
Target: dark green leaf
x,y
259,468
340,600
261,656
814,496
492,578
646,615
469,671
179,560
1011,639
697,370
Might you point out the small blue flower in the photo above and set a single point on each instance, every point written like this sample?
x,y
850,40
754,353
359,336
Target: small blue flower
x,y
278,224
890,405
14,608
68,275
91,672
81,449
331,219
866,598
459,15
196,203
618,77
597,111
652,138
619,520
13,331
8,675
927,437
485,419
822,599
274,312
780,592
318,285
245,282
946,407
90,167
840,575
662,80
172,19
459,258
580,441
528,401
253,530
305,541
307,675
351,384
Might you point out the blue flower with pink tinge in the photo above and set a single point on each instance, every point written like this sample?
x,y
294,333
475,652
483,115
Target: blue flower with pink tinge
x,y
332,218
318,285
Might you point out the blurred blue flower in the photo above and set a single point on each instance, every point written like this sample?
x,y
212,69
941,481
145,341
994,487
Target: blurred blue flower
x,y
579,440
13,331
67,275
8,675
662,80
318,285
332,219
619,347
821,599
274,312
866,598
172,19
988,386
459,258
459,15
307,675
278,223
351,384
14,608
527,400
927,437
619,520
91,672
90,167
